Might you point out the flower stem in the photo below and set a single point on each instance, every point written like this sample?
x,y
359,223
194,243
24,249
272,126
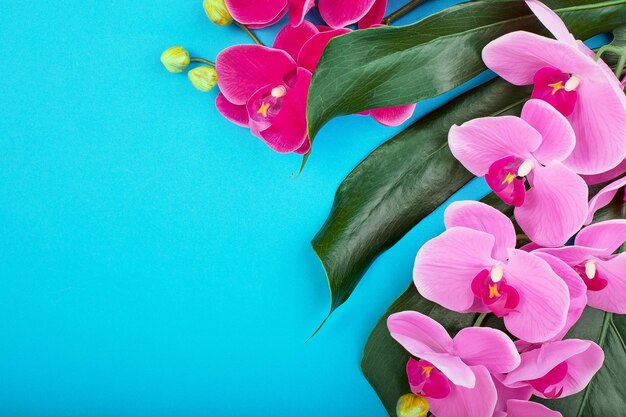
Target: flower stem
x,y
389,19
480,319
250,33
203,61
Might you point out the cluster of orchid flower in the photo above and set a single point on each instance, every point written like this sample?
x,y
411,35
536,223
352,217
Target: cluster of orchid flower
x,y
571,133
265,88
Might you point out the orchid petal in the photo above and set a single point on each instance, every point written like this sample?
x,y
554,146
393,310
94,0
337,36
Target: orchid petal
x,y
479,143
557,133
341,13
604,197
484,218
291,39
552,22
312,50
446,265
305,148
611,298
490,348
544,298
393,116
256,13
608,236
375,16
607,175
555,207
507,393
517,408
233,112
244,69
298,9
478,401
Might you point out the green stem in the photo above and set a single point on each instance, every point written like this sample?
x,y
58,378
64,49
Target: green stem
x,y
203,61
620,64
480,319
402,11
521,236
250,33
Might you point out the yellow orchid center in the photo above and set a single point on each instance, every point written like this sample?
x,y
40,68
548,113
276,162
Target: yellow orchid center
x,y
493,291
509,178
556,87
427,370
263,109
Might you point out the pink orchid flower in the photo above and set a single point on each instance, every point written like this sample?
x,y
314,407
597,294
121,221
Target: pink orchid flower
x,y
507,150
258,14
474,267
454,374
557,369
306,43
342,13
604,197
566,75
517,408
263,89
592,257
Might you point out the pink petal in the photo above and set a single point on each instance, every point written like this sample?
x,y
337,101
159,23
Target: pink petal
x,y
608,236
479,401
341,13
544,298
291,39
480,142
424,338
233,112
612,297
490,348
288,130
393,116
374,16
573,255
305,148
557,133
507,393
312,50
607,175
446,265
604,197
256,13
484,218
244,69
555,207
584,359
517,408
297,10
576,287
552,22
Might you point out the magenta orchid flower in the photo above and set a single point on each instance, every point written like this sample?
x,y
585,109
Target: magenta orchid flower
x,y
508,150
258,14
263,89
474,267
342,13
592,257
557,369
453,374
566,75
604,197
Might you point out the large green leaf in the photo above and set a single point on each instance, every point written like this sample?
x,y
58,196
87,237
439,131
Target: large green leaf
x,y
390,66
399,184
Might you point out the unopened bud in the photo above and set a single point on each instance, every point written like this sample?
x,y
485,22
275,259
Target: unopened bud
x,y
203,78
411,405
217,12
175,59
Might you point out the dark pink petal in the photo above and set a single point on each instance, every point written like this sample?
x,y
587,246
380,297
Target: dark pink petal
x,y
604,197
550,87
552,22
557,133
341,13
607,175
374,16
312,50
484,218
244,69
427,380
555,207
613,297
479,401
504,180
607,236
305,148
517,408
291,38
544,298
446,266
297,10
480,142
256,13
393,116
490,348
233,112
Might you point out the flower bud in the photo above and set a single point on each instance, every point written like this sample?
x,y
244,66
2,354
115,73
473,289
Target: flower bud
x,y
175,59
203,78
217,12
411,405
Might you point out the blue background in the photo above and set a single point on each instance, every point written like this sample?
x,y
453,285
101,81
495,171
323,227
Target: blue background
x,y
154,258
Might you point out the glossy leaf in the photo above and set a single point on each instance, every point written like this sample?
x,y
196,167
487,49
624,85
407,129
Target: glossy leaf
x,y
399,184
391,66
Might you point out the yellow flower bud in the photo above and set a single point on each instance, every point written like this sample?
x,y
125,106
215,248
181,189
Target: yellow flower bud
x,y
203,78
175,59
411,405
217,12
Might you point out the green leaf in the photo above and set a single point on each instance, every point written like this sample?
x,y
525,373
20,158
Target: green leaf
x,y
399,184
391,66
